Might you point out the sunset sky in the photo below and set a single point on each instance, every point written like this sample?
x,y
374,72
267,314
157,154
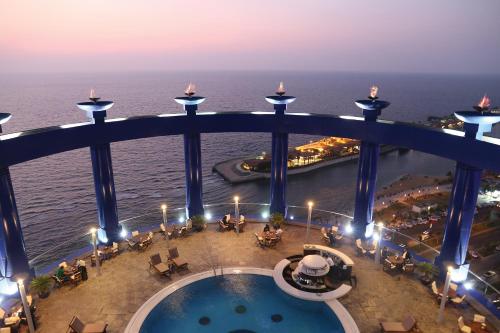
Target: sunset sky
x,y
120,35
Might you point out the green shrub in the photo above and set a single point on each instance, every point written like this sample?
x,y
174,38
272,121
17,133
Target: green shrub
x,y
276,219
198,222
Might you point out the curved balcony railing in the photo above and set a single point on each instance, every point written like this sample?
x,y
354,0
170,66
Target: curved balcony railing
x,y
80,245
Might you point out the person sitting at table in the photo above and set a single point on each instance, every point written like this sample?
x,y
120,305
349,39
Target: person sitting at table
x,y
60,273
224,219
331,236
279,231
406,256
267,228
385,252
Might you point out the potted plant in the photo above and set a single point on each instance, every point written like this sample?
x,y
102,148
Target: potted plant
x,y
276,220
428,270
198,222
42,285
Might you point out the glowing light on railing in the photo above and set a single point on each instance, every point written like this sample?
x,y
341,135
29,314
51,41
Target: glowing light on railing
x,y
164,115
261,112
123,233
376,236
349,229
10,136
468,285
208,216
265,215
207,113
291,217
181,219
299,114
352,118
73,125
115,120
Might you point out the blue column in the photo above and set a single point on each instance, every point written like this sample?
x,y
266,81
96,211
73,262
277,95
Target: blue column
x,y
365,189
192,157
107,211
279,154
194,190
367,172
461,209
279,166
12,252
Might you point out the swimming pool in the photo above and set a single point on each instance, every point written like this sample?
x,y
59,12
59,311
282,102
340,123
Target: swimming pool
x,y
235,303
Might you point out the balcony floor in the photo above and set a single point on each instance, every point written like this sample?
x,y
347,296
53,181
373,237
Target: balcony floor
x,y
126,283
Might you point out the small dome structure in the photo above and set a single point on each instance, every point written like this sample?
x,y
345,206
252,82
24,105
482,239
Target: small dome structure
x,y
313,265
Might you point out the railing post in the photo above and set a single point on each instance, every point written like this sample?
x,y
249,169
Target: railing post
x,y
102,169
367,172
13,256
279,156
463,197
192,159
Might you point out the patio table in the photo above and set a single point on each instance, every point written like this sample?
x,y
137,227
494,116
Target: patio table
x,y
478,328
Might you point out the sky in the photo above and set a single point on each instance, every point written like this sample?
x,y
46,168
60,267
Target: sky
x,y
449,36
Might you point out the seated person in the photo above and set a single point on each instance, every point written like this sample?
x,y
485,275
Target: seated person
x,y
267,228
331,237
385,252
406,256
60,273
329,261
224,219
279,231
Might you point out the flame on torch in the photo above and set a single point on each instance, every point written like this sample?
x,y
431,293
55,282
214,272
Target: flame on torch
x,y
93,96
190,90
484,103
373,92
281,89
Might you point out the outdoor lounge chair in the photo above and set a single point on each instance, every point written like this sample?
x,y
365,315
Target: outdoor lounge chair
x,y
159,266
407,325
458,300
173,255
77,326
260,241
462,327
479,319
223,226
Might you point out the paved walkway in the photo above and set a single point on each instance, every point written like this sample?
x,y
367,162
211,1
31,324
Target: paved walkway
x,y
126,283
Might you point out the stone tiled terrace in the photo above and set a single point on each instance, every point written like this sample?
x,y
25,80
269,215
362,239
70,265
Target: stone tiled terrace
x,y
127,282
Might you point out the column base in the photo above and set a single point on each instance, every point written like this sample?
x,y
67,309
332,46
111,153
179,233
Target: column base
x,y
105,237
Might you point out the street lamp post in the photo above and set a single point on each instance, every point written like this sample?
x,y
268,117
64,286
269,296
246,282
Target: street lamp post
x,y
309,215
237,214
444,297
378,239
164,214
93,231
26,306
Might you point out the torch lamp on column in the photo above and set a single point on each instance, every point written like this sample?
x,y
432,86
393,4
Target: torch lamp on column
x,y
237,214
480,121
20,278
190,101
310,205
444,296
93,231
95,109
280,101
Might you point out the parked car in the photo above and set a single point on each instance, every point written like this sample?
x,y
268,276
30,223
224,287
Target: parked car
x,y
489,274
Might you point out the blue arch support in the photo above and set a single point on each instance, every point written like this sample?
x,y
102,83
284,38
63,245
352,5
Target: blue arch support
x,y
12,250
192,158
367,173
279,155
107,211
461,210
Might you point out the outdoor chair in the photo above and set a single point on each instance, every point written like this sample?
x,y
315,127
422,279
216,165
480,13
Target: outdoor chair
x,y
166,234
408,268
324,236
241,226
479,319
115,250
177,261
388,266
260,241
183,231
457,300
189,224
223,226
407,325
135,233
435,290
159,266
359,248
12,321
77,326
148,241
462,327
131,244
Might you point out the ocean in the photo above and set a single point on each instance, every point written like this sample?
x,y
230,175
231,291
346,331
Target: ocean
x,y
55,195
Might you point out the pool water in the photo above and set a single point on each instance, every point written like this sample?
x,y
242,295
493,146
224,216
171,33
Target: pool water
x,y
242,303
